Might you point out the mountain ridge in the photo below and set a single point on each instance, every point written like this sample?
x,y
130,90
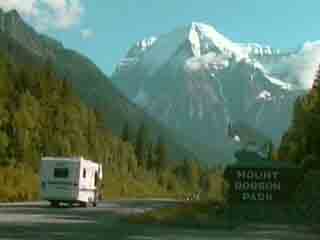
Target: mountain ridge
x,y
199,89
23,44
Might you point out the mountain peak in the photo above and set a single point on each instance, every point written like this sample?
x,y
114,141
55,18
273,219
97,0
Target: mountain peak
x,y
205,38
141,46
197,81
194,40
13,13
10,18
200,25
14,26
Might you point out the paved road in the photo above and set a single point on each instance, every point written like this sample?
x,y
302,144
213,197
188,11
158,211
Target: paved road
x,y
39,221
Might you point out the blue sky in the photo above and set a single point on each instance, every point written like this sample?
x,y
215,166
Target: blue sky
x,y
105,30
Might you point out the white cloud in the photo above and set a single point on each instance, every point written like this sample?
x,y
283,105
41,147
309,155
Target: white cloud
x,y
47,14
87,33
307,62
299,68
56,4
25,7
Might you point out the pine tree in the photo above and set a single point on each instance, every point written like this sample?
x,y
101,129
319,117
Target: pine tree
x,y
316,81
192,173
270,151
125,136
141,145
302,139
161,153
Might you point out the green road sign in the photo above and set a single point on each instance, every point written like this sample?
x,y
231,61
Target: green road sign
x,y
268,184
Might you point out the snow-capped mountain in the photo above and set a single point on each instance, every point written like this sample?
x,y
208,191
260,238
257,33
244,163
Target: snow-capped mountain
x,y
198,82
255,49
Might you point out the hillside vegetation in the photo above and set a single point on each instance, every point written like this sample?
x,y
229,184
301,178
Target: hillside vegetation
x,y
40,115
301,145
26,46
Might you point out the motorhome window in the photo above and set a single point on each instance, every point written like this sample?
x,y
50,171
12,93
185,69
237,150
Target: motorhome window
x,y
84,173
61,172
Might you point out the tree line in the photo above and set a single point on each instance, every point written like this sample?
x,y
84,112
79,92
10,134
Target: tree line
x,y
301,146
40,115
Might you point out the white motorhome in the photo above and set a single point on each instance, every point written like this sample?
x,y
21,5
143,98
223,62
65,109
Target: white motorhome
x,y
70,180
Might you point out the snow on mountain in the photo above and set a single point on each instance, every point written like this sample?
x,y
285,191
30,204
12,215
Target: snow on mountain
x,y
265,95
163,49
196,81
280,83
298,67
140,47
204,48
135,53
198,39
207,39
209,61
237,138
268,74
255,49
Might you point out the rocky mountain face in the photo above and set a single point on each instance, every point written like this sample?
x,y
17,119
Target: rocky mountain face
x,y
25,46
198,82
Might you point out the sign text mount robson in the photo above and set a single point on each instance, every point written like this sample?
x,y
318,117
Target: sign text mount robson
x,y
269,184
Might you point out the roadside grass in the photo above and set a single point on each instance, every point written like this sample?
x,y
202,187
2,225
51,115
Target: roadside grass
x,y
193,214
18,184
212,215
140,185
129,187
